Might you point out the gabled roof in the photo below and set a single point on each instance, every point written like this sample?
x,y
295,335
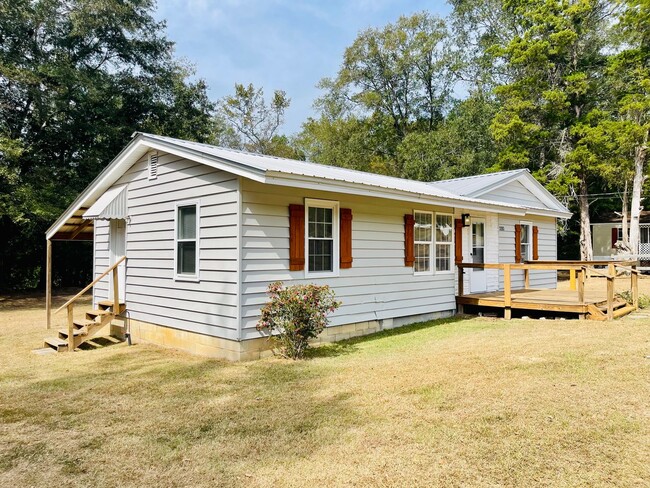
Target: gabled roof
x,y
480,185
287,172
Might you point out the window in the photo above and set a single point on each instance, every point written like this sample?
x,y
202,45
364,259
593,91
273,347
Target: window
x,y
444,238
526,240
187,249
322,237
423,237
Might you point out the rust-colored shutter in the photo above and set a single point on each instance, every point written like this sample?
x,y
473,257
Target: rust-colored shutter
x,y
458,223
614,236
296,237
535,243
409,244
517,243
345,238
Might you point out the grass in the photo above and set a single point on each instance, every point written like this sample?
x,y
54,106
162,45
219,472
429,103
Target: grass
x,y
474,402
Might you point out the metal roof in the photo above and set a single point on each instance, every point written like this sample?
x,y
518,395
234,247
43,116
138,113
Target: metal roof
x,y
470,185
288,172
111,205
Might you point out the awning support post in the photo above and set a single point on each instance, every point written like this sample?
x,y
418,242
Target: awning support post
x,y
48,284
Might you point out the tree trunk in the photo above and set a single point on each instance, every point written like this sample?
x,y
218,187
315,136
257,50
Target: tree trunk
x,y
586,250
625,216
637,187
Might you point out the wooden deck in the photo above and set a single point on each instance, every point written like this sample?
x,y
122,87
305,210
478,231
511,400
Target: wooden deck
x,y
594,305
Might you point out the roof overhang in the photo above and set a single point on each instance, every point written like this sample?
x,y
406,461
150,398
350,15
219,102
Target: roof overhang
x,y
111,205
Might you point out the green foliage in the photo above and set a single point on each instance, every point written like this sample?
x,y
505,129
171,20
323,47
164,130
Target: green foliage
x,y
295,315
246,121
77,78
644,300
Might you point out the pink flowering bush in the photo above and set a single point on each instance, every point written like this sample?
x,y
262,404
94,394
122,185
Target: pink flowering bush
x,y
296,314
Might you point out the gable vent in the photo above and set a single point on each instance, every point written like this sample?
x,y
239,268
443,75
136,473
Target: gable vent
x,y
153,166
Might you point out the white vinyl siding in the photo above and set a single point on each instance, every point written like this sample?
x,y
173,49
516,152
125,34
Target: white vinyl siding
x,y
513,192
547,248
152,295
378,286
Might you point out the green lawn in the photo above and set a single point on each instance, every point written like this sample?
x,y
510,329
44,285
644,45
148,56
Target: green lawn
x,y
475,402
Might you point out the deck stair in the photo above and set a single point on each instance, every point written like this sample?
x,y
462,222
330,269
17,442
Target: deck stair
x,y
620,307
86,329
80,331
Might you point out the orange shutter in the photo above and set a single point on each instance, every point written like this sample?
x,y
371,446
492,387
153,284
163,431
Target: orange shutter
x,y
409,244
346,238
535,243
458,223
296,237
614,236
517,243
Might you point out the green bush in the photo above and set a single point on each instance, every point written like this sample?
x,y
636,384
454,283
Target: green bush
x,y
296,314
644,300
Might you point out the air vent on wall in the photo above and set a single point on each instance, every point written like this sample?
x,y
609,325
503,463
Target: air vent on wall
x,y
153,166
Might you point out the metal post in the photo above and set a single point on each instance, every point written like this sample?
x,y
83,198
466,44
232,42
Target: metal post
x,y
48,284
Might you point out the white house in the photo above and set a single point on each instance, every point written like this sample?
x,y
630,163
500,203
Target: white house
x,y
605,235
206,229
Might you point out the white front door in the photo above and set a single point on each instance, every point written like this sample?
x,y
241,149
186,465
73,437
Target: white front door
x,y
117,243
477,280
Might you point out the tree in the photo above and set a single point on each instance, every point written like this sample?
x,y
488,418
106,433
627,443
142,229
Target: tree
x,y
77,77
554,67
630,72
253,123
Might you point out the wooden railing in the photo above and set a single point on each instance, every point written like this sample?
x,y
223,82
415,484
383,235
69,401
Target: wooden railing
x,y
69,305
578,272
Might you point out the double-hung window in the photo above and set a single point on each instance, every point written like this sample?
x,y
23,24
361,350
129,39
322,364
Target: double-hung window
x,y
526,239
444,238
423,240
322,245
187,242
433,240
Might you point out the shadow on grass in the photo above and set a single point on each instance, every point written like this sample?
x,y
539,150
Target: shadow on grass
x,y
349,346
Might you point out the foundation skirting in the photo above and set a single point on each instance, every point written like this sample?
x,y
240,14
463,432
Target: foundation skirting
x,y
251,349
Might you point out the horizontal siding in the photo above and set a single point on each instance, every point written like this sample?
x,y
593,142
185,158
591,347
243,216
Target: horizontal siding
x,y
547,240
209,306
378,286
514,192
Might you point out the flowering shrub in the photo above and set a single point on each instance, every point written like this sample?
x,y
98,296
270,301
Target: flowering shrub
x,y
296,314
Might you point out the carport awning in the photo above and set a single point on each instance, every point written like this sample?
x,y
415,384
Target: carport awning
x,y
111,205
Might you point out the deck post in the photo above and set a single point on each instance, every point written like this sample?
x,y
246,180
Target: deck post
x,y
461,285
70,327
507,296
48,284
634,277
581,286
572,279
611,275
526,278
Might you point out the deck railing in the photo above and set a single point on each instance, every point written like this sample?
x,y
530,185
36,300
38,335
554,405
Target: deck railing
x,y
578,271
70,303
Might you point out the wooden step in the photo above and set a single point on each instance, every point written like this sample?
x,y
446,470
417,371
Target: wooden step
x,y
56,343
83,323
623,311
106,304
618,303
63,333
98,313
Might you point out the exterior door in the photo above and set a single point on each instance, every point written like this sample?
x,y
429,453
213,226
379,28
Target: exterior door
x,y
117,245
477,280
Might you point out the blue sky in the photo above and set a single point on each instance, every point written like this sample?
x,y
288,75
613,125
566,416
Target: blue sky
x,y
275,44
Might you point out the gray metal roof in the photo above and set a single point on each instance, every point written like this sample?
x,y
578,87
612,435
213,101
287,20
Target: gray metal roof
x,y
471,185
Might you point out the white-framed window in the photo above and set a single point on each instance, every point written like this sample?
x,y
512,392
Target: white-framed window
x,y
186,241
444,238
322,237
433,240
423,241
526,241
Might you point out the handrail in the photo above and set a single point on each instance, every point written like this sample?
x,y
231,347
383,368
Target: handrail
x,y
579,268
74,298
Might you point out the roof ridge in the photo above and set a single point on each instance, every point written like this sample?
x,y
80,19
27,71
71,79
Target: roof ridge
x,y
510,171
